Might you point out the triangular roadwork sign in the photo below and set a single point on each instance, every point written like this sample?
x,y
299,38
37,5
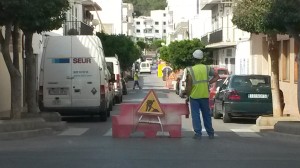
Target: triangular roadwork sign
x,y
150,105
172,76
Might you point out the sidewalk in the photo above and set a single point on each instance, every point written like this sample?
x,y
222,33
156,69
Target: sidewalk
x,y
31,125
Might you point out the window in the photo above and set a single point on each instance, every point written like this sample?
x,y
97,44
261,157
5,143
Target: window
x,y
164,23
138,30
285,61
232,60
226,60
164,14
229,52
156,31
138,23
156,23
296,50
165,31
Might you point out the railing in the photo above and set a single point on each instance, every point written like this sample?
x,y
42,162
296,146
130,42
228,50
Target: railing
x,y
77,28
205,39
216,36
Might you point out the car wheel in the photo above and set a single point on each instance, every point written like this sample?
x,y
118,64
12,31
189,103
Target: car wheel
x,y
226,117
215,114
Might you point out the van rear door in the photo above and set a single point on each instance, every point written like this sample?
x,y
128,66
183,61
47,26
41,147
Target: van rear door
x,y
86,73
57,80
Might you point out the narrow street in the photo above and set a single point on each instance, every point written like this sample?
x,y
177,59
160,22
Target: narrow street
x,y
88,143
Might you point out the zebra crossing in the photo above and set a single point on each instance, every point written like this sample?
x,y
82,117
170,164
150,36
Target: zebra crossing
x,y
244,133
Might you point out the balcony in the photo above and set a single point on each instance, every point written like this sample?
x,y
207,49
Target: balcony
x,y
209,4
216,36
218,39
77,28
205,39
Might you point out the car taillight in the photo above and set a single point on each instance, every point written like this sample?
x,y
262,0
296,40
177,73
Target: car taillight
x,y
233,95
102,89
118,81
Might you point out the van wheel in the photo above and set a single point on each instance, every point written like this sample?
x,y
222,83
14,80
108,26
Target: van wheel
x,y
103,115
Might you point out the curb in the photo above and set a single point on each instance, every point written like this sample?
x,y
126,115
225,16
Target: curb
x,y
31,125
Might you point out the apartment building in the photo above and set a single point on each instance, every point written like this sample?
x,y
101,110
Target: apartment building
x,y
288,67
149,28
127,20
186,20
111,16
231,46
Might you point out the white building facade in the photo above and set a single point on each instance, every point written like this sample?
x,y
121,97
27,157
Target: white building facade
x,y
127,20
149,28
231,46
186,20
111,16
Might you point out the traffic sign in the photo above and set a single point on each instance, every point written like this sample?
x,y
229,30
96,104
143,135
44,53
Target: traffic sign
x,y
150,105
172,76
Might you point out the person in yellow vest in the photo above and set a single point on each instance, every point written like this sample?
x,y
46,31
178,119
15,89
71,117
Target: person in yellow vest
x,y
197,90
136,79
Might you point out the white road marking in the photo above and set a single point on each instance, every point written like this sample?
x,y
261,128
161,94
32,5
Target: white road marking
x,y
74,132
245,133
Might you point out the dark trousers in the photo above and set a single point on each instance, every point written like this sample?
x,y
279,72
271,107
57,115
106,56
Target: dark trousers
x,y
136,83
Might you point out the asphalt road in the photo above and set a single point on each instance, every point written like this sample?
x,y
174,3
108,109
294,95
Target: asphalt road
x,y
87,143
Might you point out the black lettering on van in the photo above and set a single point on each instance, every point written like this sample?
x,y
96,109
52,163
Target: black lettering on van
x,y
82,60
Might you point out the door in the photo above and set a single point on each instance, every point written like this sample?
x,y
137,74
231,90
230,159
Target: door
x,y
85,73
57,78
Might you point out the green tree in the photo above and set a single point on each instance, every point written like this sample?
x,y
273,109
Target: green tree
x,y
143,7
180,53
31,17
164,54
270,17
37,16
7,20
142,45
121,45
156,44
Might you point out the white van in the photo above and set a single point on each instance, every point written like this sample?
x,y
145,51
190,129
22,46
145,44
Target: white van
x,y
72,77
113,66
145,67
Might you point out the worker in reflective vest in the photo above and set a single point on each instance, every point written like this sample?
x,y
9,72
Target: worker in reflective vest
x,y
198,94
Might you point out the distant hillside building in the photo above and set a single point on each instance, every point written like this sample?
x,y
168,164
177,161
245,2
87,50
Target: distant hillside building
x,y
149,28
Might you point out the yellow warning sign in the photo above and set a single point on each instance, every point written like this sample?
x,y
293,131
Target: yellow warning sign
x,y
172,76
150,105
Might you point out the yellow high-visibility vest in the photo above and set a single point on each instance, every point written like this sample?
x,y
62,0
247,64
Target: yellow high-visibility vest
x,y
199,74
136,77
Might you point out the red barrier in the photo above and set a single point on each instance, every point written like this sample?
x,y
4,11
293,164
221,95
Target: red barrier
x,y
127,121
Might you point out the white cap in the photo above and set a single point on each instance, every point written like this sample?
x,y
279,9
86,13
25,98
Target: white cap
x,y
198,54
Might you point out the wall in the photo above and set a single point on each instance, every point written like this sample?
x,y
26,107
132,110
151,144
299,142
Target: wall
x,y
261,63
111,14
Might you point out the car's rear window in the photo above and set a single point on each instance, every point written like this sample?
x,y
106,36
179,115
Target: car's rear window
x,y
222,72
144,65
250,81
